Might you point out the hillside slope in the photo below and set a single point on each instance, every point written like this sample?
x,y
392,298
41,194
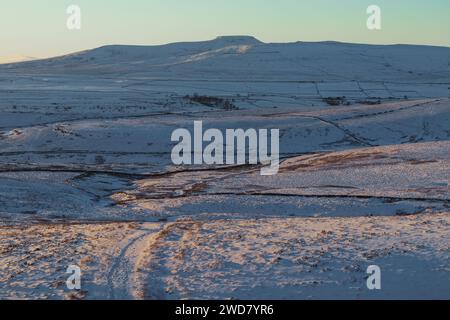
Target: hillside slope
x,y
245,57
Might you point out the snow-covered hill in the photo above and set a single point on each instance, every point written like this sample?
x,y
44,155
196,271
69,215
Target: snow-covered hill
x,y
245,57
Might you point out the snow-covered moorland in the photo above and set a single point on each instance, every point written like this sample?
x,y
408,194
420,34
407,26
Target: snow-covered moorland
x,y
86,176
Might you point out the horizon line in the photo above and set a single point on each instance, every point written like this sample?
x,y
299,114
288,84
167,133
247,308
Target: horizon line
x,y
36,58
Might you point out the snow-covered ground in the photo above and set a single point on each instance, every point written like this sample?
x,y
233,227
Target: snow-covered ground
x,y
86,176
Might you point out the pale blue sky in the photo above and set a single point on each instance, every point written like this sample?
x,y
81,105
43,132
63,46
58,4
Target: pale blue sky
x,y
38,27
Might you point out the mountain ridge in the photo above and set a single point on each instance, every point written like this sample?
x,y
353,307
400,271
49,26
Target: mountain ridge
x,y
245,57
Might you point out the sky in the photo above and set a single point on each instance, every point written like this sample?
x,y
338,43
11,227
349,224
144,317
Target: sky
x,y
38,28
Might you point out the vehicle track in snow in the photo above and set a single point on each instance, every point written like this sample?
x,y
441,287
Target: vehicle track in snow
x,y
121,275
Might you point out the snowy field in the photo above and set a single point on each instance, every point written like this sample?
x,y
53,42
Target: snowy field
x,y
86,176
